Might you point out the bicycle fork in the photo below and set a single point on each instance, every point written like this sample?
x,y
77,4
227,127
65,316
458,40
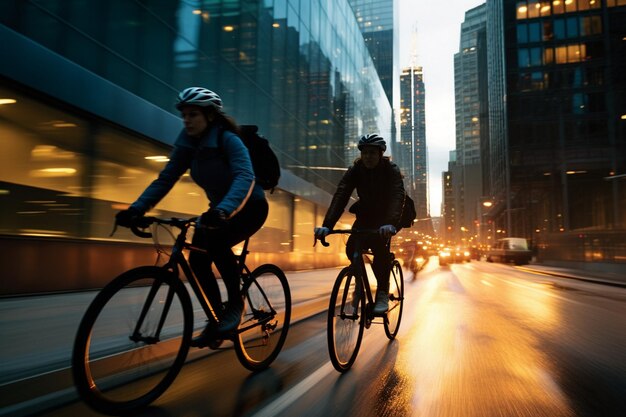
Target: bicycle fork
x,y
148,304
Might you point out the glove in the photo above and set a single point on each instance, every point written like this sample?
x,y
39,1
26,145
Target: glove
x,y
126,218
215,218
387,230
321,232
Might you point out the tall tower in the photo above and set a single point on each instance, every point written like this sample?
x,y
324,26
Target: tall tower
x,y
412,145
471,120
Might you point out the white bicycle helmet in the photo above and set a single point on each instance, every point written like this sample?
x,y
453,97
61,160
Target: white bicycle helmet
x,y
372,140
198,96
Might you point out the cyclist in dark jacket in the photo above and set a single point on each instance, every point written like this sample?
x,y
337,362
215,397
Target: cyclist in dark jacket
x,y
379,186
237,208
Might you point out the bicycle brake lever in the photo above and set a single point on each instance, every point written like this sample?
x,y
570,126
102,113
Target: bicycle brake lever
x,y
114,229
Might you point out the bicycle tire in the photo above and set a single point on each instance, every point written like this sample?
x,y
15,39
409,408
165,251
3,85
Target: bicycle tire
x,y
345,325
266,317
396,300
114,374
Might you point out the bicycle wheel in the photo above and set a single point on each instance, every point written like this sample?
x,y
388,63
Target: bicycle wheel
x,y
132,341
266,317
396,300
346,319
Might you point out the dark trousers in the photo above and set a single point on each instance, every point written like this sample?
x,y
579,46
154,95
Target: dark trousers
x,y
218,244
382,257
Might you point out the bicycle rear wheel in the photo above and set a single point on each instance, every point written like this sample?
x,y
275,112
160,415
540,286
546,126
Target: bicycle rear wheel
x,y
346,319
119,366
266,317
396,300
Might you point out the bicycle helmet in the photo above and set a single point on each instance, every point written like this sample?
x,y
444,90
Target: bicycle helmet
x,y
198,96
372,140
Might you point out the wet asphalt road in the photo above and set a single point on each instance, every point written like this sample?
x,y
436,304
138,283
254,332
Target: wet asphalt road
x,y
476,339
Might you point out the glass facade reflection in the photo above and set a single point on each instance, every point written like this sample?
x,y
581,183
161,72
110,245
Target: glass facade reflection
x,y
93,119
298,69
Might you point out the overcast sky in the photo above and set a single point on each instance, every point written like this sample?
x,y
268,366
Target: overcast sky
x,y
438,29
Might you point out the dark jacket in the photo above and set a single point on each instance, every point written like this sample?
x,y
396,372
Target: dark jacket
x,y
225,175
380,191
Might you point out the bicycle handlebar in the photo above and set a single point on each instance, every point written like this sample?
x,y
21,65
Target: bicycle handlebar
x,y
346,232
146,221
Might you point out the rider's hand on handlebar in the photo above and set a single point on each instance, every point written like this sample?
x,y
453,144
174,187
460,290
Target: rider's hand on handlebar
x,y
214,218
128,217
387,230
321,232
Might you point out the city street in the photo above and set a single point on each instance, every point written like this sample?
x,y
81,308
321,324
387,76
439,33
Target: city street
x,y
476,339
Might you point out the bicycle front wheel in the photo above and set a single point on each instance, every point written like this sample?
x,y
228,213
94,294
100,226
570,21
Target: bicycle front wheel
x,y
266,317
346,319
396,300
132,341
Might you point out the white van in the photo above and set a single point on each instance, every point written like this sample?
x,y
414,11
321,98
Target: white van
x,y
510,249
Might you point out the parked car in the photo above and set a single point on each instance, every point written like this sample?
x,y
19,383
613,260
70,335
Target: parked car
x,y
510,249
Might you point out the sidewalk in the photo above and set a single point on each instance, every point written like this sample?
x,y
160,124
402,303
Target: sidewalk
x,y
606,278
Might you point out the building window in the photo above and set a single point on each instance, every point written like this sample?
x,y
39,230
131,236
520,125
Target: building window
x,y
590,25
522,33
523,58
558,7
535,57
559,29
547,31
534,32
522,10
534,8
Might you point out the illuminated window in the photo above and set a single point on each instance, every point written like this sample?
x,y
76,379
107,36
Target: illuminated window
x,y
561,54
534,8
573,53
522,10
558,7
570,6
548,56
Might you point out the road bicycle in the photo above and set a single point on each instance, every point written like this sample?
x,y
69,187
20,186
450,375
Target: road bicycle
x,y
134,337
351,304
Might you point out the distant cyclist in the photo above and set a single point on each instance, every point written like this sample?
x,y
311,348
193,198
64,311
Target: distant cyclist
x,y
237,208
379,186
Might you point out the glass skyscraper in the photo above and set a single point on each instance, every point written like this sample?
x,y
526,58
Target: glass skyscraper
x,y
471,119
412,151
557,125
90,117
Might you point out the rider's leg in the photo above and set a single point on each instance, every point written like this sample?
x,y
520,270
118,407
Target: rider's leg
x,y
201,265
240,227
380,266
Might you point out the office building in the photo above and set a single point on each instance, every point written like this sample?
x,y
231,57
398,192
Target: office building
x,y
92,87
412,151
557,125
471,119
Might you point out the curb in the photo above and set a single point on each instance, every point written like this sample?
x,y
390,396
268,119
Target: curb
x,y
595,280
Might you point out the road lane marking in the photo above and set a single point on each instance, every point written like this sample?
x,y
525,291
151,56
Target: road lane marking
x,y
281,403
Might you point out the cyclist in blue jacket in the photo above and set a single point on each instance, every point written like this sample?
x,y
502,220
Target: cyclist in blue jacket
x,y
237,209
378,183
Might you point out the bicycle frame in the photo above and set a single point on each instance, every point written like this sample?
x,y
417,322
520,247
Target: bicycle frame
x,y
176,260
356,261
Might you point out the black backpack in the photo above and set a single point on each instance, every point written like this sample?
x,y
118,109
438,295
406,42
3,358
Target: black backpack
x,y
264,160
408,212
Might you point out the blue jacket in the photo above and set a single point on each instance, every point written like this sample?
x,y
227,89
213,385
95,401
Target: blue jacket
x,y
225,175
